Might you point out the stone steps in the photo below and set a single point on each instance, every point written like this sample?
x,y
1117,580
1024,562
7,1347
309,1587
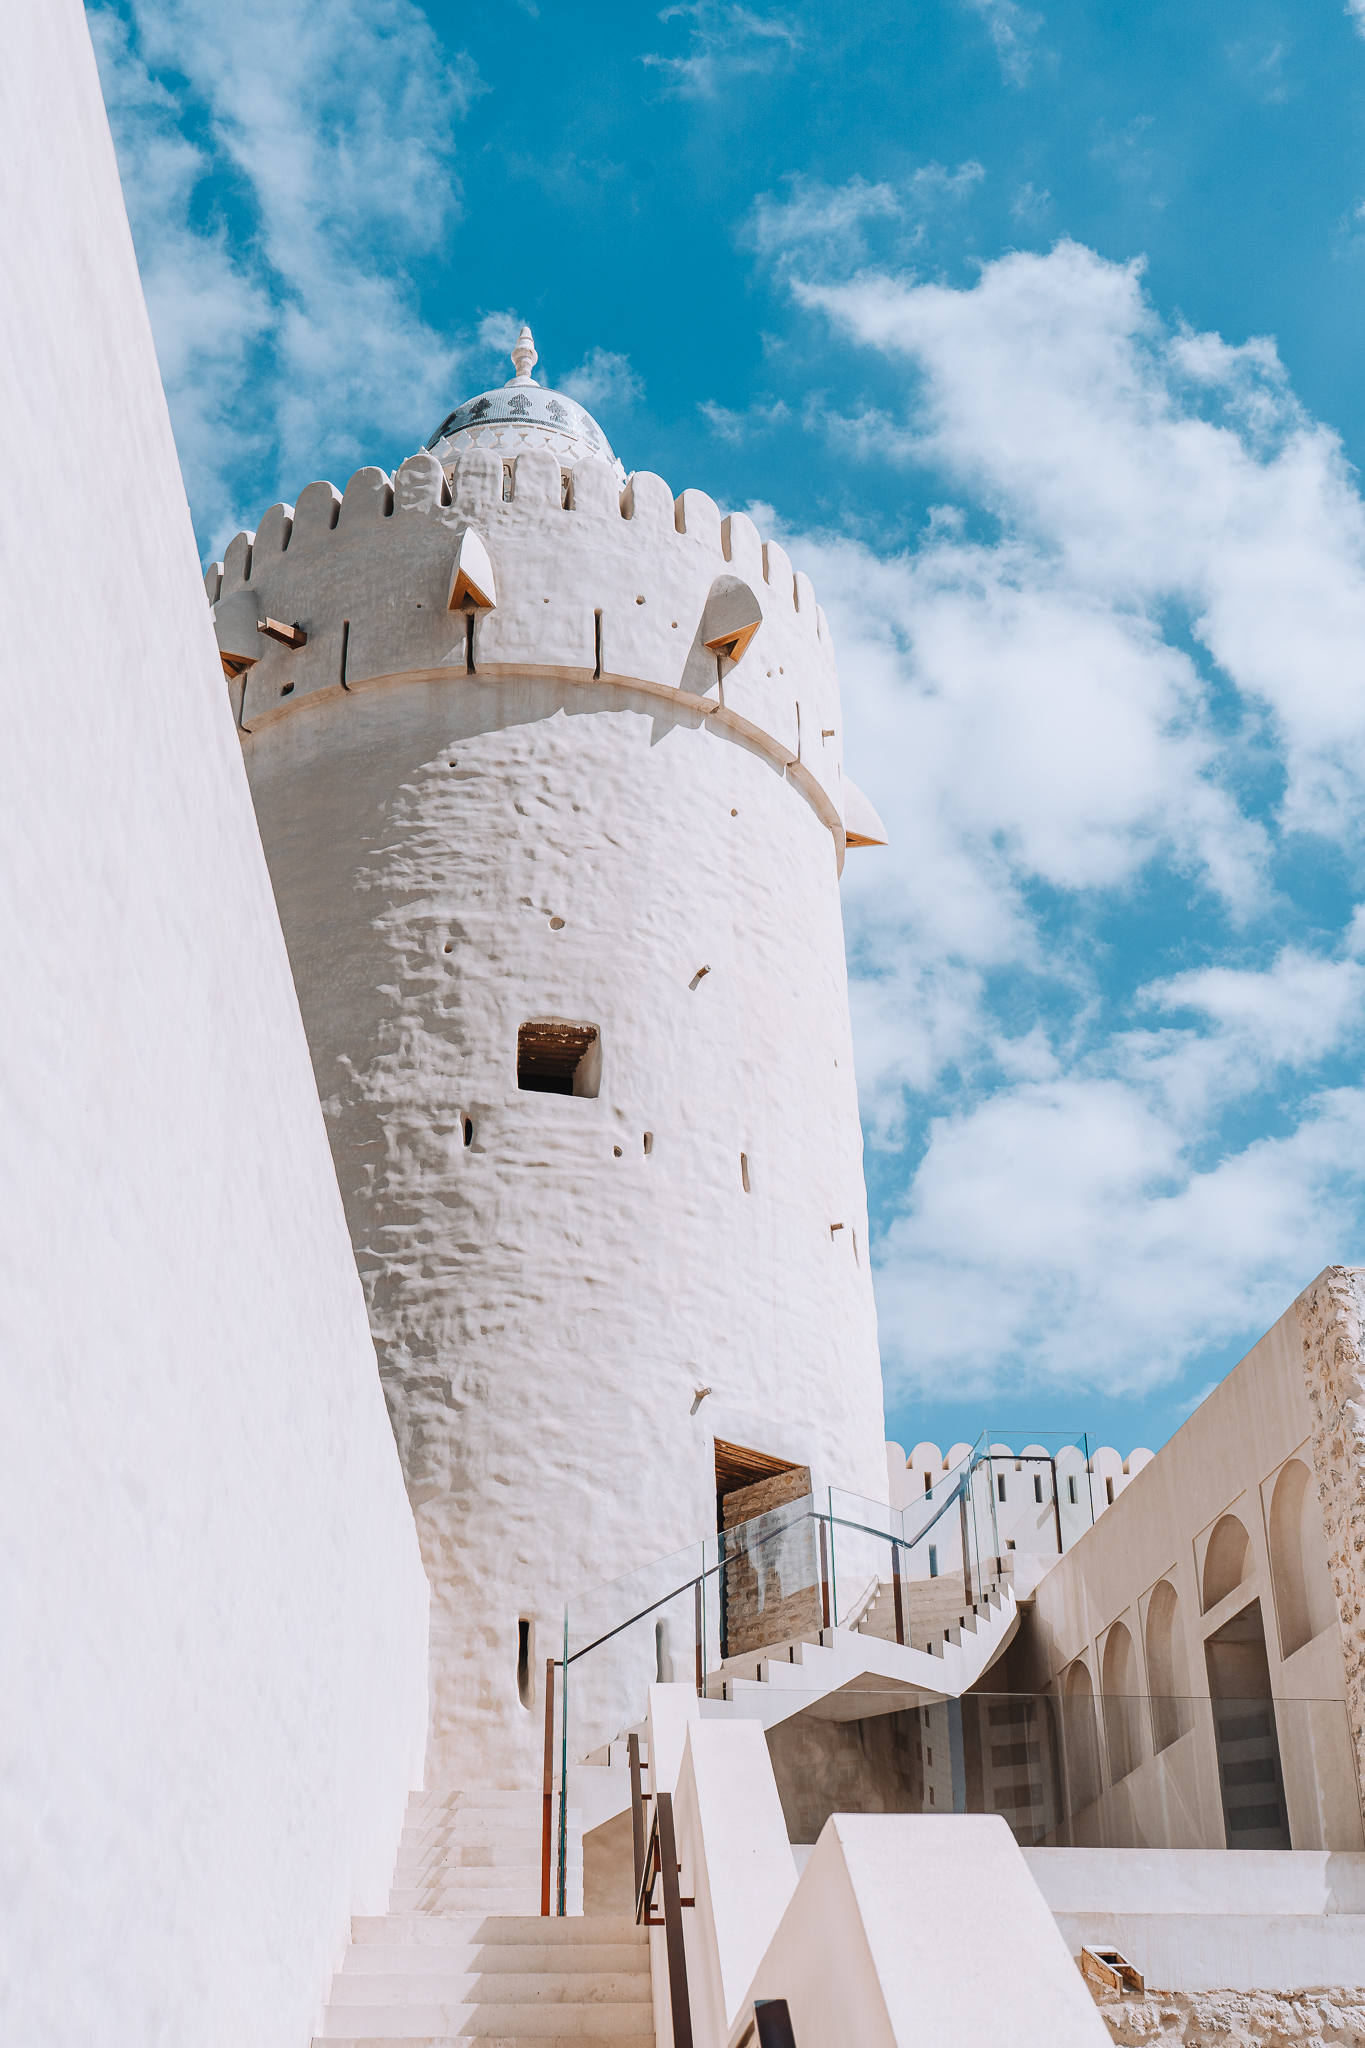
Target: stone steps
x,y
464,1955
484,2020
449,1959
476,1931
536,1986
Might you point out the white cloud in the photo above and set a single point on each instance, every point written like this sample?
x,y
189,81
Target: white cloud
x,y
299,335
1130,656
812,227
1057,1235
1029,205
742,426
726,44
1012,30
1135,468
1354,11
604,379
498,332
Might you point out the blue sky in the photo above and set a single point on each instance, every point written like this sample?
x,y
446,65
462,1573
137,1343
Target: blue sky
x,y
1036,332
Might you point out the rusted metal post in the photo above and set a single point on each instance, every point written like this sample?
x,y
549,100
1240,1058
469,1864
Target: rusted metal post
x,y
896,1587
673,1927
637,1810
547,1822
824,1575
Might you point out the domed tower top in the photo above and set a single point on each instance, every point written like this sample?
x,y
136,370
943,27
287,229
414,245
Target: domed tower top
x,y
522,414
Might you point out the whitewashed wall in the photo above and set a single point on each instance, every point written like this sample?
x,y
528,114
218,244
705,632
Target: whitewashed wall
x,y
212,1607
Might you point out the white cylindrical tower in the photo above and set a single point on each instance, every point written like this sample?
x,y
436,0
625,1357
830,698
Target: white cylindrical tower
x,y
548,774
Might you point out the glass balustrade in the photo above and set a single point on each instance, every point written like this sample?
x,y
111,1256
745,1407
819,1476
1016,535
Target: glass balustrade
x,y
1118,1773
1103,1771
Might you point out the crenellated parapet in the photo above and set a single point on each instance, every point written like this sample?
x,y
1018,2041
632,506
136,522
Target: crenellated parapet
x,y
631,589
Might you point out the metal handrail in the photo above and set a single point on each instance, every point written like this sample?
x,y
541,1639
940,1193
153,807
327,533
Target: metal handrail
x,y
656,1856
547,1820
707,1571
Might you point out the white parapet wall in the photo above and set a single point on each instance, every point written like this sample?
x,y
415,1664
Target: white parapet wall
x,y
215,1616
1196,1920
907,1928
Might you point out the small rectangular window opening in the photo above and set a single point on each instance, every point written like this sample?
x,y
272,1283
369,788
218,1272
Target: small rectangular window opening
x,y
507,483
933,1560
649,1143
1000,1482
929,1483
1109,1492
744,1170
555,1057
566,489
1071,1489
1037,1486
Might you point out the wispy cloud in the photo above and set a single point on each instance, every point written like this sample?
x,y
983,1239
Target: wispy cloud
x,y
813,228
1030,206
1355,12
725,43
604,378
1013,31
735,427
279,208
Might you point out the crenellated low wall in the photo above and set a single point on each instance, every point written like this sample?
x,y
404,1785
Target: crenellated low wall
x,y
592,584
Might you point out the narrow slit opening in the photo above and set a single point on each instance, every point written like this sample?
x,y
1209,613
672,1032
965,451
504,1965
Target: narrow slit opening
x,y
597,645
649,1143
345,646
468,1131
469,643
744,1170
526,1653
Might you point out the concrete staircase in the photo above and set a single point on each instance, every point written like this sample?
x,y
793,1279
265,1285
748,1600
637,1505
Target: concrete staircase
x,y
478,1852
772,1684
463,1953
931,1610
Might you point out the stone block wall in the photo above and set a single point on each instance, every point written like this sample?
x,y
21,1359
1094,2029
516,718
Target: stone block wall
x,y
1331,1320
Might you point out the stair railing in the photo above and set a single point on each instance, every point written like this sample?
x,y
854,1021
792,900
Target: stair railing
x,y
547,1817
900,1533
656,1856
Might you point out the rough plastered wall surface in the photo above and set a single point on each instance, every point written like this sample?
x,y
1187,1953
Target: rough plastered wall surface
x,y
478,830
1235,2019
212,1605
1330,1318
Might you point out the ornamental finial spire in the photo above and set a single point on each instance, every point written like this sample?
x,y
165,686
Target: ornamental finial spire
x,y
524,356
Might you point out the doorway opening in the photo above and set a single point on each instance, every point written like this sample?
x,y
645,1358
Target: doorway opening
x,y
769,1577
1255,1815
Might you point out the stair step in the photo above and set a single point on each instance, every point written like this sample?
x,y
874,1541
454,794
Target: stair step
x,y
468,1900
463,2021
489,1855
474,1802
389,1959
584,2040
475,1827
497,1987
434,1930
